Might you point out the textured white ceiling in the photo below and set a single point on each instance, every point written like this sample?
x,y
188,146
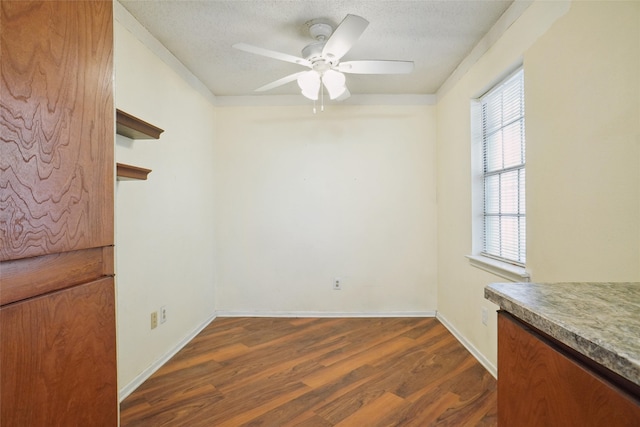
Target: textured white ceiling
x,y
436,35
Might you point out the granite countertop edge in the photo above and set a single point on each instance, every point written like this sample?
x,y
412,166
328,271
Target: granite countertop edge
x,y
600,352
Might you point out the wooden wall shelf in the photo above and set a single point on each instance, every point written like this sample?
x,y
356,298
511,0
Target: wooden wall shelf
x,y
131,172
134,128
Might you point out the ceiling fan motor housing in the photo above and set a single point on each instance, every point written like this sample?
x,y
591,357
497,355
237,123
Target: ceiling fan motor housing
x,y
313,54
320,30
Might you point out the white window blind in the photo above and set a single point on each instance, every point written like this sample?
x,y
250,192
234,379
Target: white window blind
x,y
503,146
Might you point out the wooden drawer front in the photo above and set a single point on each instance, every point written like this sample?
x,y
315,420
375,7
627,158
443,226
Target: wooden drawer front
x,y
538,385
30,277
58,358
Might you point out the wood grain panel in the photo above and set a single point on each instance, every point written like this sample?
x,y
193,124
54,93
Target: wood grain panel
x,y
57,127
28,277
59,359
538,385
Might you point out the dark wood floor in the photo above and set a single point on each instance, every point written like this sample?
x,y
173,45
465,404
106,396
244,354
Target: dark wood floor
x,y
317,372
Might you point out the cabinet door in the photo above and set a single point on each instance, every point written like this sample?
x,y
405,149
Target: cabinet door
x,y
58,360
56,126
541,385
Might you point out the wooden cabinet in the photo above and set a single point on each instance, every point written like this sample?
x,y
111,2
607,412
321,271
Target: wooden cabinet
x,y
541,383
57,314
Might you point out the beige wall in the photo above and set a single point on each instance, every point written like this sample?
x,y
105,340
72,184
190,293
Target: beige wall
x,y
583,184
304,198
270,204
164,228
583,119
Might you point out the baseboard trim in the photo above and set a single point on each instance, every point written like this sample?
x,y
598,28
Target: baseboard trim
x,y
470,347
144,375
324,314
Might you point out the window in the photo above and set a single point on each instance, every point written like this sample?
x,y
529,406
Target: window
x,y
503,171
498,188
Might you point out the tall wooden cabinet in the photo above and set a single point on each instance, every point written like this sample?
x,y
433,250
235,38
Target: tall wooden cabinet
x,y
57,306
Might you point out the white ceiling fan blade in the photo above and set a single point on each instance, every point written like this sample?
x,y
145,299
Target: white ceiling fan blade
x,y
376,67
280,82
272,54
344,37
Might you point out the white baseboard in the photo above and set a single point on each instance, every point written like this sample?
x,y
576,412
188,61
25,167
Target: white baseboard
x,y
324,314
474,351
144,375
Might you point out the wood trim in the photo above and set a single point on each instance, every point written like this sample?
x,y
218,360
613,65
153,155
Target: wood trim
x,y
131,172
28,277
135,128
108,261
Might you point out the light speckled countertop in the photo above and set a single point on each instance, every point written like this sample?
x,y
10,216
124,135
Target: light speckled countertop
x,y
599,320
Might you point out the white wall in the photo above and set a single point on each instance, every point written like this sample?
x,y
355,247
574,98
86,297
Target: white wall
x,y
583,133
164,226
304,198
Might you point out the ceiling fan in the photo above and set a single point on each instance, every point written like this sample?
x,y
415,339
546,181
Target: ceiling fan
x,y
323,58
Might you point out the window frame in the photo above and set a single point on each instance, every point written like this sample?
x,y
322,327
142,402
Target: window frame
x,y
509,269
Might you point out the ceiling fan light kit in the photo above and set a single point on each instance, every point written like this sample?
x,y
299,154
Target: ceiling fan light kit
x,y
335,82
309,83
323,58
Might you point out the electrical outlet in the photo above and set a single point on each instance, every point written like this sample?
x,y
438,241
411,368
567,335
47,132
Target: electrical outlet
x,y
337,284
485,316
163,314
154,320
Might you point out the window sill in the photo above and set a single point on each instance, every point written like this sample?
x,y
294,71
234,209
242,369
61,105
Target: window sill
x,y
499,268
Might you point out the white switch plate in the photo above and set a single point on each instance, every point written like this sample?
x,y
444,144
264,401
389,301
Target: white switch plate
x,y
163,314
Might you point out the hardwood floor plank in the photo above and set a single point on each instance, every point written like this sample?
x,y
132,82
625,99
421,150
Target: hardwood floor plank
x,y
248,415
322,396
337,370
308,419
317,372
170,410
300,366
351,402
371,414
368,333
